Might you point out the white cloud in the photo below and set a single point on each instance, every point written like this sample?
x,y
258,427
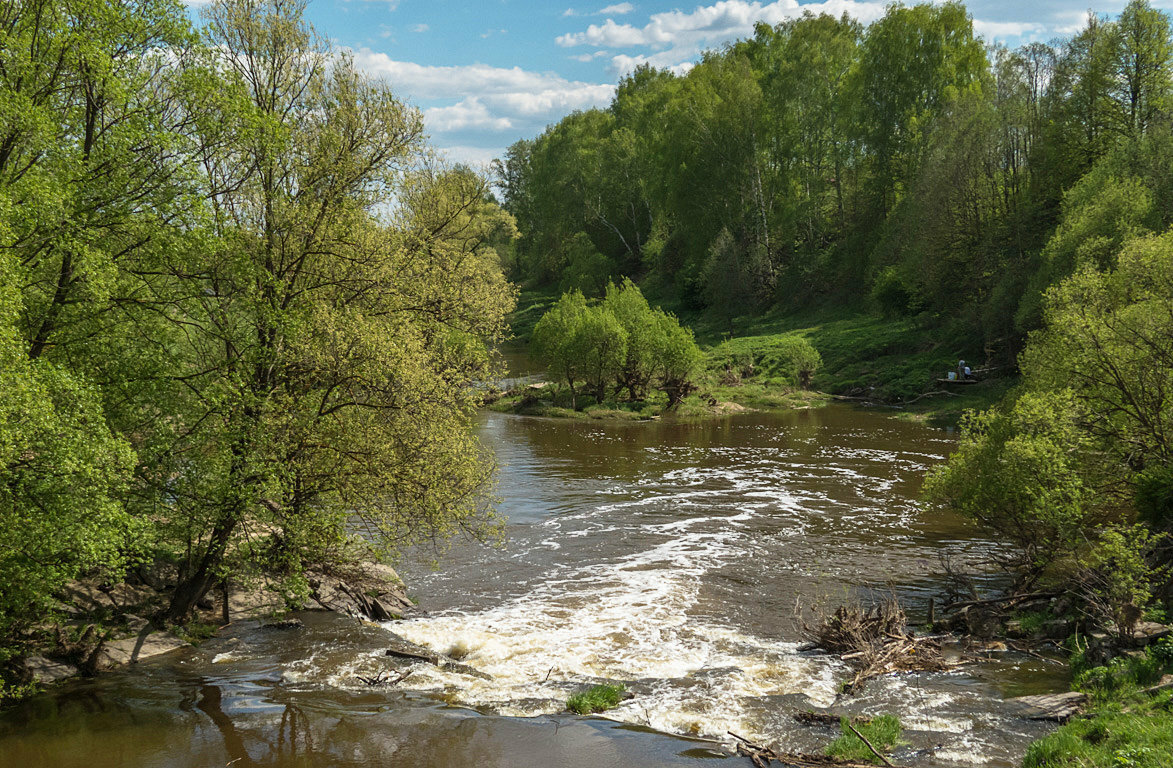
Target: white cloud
x,y
617,9
467,114
477,157
476,99
1002,29
710,25
420,28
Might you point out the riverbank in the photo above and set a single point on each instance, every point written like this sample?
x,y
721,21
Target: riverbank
x,y
101,626
892,363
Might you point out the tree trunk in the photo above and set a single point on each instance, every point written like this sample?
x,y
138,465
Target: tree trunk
x,y
192,589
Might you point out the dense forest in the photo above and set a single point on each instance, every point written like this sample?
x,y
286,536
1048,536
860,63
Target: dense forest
x,y
906,167
241,303
909,170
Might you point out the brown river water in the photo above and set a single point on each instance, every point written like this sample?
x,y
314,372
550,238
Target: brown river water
x,y
666,556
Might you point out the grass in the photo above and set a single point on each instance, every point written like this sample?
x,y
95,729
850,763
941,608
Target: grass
x,y
597,698
1127,728
883,732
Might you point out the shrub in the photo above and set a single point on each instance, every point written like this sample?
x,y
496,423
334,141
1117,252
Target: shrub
x,y
597,698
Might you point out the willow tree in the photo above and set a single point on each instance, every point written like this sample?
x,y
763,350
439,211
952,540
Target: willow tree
x,y
330,323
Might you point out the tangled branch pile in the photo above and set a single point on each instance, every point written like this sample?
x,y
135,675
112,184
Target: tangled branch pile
x,y
874,640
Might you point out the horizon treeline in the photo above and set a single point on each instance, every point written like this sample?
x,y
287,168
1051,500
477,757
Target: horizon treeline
x,y
906,166
242,306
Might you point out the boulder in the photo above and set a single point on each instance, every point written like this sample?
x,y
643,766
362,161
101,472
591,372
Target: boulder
x,y
44,670
145,645
1057,707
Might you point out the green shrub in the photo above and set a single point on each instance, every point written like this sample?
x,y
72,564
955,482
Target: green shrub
x,y
597,698
789,357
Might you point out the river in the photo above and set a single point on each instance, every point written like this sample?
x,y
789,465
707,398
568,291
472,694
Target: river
x,y
667,556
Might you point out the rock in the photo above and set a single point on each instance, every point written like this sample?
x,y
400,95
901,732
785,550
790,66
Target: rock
x,y
1148,632
43,670
126,596
134,623
159,575
1058,707
259,602
86,598
130,650
284,624
366,590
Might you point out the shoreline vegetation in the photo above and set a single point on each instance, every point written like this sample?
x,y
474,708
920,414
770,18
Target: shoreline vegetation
x,y
890,363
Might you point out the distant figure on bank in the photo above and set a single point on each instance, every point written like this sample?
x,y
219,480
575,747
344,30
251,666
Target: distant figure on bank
x,y
963,371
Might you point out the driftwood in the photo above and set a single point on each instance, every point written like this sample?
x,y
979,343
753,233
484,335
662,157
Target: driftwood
x,y
761,757
826,718
876,641
405,649
384,678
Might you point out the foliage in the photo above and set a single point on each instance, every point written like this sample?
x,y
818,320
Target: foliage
x,y
1017,472
789,358
241,307
1116,577
883,732
597,698
620,343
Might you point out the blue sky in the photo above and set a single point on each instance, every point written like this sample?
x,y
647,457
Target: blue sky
x,y
489,72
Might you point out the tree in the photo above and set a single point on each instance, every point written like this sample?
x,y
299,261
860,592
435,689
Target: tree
x,y
553,337
600,342
1144,66
679,359
1018,471
645,336
329,327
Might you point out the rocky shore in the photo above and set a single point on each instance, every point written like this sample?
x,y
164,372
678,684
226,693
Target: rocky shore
x,y
105,626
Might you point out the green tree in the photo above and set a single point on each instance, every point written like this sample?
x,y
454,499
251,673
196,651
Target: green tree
x,y
334,319
553,337
645,336
1018,471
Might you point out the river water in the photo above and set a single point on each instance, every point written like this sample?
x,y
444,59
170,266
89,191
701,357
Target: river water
x,y
666,556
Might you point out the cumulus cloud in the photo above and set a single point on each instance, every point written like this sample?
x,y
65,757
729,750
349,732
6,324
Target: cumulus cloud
x,y
420,28
1002,29
478,104
618,9
711,24
467,114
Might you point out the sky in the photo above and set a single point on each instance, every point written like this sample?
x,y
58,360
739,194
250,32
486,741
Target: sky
x,y
486,73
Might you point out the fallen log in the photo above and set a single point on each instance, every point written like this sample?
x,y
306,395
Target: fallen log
x,y
405,649
761,757
826,718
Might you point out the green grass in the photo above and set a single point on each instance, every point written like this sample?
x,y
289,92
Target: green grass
x,y
883,732
597,698
1127,727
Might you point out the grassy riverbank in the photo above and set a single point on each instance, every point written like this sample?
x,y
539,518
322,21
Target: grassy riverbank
x,y
1130,719
891,362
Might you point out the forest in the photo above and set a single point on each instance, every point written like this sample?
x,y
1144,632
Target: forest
x,y
240,299
1010,202
908,168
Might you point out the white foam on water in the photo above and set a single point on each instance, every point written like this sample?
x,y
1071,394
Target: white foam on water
x,y
628,621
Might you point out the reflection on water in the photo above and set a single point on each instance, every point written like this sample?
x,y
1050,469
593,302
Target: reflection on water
x,y
666,556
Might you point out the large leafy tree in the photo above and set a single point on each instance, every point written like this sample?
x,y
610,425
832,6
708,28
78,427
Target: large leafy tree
x,y
333,320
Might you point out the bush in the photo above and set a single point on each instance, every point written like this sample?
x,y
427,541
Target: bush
x,y
598,698
894,294
1017,471
788,357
